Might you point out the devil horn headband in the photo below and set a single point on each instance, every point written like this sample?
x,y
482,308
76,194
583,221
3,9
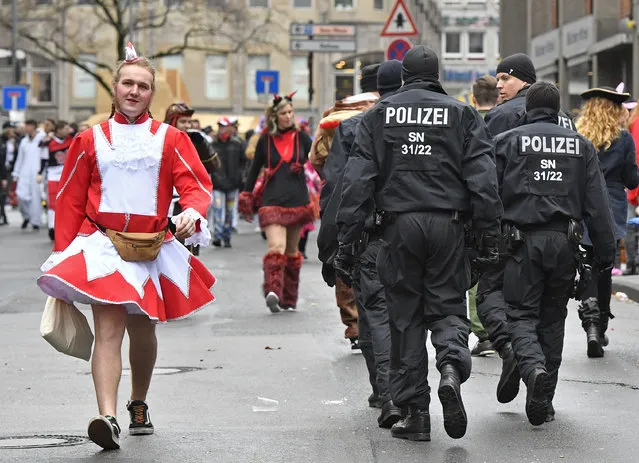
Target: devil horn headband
x,y
277,98
130,55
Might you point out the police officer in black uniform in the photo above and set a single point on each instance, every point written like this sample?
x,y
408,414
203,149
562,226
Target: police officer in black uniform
x,y
374,330
515,74
549,181
427,160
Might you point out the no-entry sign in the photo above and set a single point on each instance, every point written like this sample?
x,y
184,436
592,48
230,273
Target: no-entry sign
x,y
397,49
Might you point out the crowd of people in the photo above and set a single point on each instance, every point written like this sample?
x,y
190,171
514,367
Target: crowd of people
x,y
436,215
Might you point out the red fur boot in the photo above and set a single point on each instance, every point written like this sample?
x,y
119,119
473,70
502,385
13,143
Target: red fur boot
x,y
274,264
291,280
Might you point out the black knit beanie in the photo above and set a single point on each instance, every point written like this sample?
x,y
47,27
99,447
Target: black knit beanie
x,y
420,63
542,95
520,66
369,78
389,76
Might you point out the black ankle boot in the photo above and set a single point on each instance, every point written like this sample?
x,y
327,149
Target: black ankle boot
x,y
595,348
390,415
536,399
508,385
455,419
416,425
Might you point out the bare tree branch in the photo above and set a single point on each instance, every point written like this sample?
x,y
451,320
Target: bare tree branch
x,y
105,24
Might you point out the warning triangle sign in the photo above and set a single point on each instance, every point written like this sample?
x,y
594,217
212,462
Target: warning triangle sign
x,y
400,23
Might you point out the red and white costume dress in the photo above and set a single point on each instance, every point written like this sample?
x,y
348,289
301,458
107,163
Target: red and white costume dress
x,y
58,149
120,176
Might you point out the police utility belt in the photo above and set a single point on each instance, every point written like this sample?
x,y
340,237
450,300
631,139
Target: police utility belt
x,y
514,235
380,218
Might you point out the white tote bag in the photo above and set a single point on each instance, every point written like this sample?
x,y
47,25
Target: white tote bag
x,y
66,328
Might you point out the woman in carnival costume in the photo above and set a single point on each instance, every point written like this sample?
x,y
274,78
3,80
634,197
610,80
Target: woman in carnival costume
x,y
283,204
112,247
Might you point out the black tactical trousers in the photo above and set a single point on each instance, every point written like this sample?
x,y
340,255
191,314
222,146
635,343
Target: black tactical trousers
x,y
537,285
491,307
595,306
374,331
425,274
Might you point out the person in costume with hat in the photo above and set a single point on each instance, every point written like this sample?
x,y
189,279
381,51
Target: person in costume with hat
x,y
282,204
179,115
6,144
117,185
599,122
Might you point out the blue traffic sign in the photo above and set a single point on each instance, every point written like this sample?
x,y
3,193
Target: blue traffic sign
x,y
398,49
14,98
267,82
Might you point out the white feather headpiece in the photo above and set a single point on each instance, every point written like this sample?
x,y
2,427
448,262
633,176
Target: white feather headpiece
x,y
130,55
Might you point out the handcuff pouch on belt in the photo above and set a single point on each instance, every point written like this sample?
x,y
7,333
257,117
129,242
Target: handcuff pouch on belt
x,y
512,237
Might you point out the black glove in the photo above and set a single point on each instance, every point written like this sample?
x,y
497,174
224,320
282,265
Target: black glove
x,y
344,263
489,251
328,273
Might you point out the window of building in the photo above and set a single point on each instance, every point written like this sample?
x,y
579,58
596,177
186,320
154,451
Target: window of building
x,y
174,3
588,7
217,77
379,4
625,8
555,13
452,43
84,85
302,3
476,43
258,3
174,62
43,2
255,63
86,2
217,3
344,4
41,87
299,77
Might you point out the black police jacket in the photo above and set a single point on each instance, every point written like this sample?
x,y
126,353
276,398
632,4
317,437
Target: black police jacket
x,y
420,150
510,114
547,172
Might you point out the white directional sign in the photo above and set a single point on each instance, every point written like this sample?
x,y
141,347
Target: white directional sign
x,y
323,29
323,45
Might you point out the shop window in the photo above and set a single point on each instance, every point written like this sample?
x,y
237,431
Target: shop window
x,y
452,44
255,63
217,77
299,77
344,4
344,87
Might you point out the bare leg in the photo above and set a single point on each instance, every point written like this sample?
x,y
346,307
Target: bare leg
x,y
276,238
143,351
106,364
292,240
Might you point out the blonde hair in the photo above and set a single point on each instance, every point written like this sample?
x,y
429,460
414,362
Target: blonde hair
x,y
144,63
271,114
599,122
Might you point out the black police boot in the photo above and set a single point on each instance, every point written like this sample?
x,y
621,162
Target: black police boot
x,y
455,419
374,401
536,399
550,413
595,348
390,415
415,427
508,385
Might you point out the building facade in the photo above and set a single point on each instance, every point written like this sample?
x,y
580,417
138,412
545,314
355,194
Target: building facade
x,y
223,82
470,42
577,44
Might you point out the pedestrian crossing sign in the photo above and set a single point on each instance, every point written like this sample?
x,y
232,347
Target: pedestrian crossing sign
x,y
400,23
